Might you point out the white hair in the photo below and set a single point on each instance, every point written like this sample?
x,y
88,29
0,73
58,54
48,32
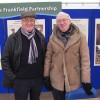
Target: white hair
x,y
63,13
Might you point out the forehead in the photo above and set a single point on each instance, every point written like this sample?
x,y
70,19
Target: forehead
x,y
28,18
62,16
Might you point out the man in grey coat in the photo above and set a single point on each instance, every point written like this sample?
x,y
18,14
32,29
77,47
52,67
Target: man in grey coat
x,y
67,61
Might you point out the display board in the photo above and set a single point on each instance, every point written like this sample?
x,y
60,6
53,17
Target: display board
x,y
93,17
95,46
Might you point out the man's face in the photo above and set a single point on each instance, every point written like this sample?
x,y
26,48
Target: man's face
x,y
63,22
28,24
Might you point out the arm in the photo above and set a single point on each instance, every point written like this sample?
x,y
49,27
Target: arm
x,y
85,60
48,59
85,65
6,59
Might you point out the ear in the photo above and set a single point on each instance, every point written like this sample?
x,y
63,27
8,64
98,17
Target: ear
x,y
70,22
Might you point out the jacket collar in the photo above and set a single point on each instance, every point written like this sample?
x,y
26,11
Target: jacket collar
x,y
72,40
18,33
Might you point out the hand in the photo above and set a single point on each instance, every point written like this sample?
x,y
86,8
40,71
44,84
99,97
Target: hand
x,y
87,87
47,83
12,79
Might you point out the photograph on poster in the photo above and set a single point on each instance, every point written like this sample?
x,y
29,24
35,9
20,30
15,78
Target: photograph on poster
x,y
97,58
14,25
40,25
97,43
98,34
81,23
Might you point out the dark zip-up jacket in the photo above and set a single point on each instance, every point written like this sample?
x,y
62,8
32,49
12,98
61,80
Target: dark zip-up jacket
x,y
10,59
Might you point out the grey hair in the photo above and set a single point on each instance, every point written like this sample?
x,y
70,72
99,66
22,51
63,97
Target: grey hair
x,y
63,13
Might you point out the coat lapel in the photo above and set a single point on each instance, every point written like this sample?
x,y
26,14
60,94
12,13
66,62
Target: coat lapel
x,y
58,41
72,40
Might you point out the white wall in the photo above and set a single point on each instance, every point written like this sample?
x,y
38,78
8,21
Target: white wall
x,y
85,5
66,4
16,1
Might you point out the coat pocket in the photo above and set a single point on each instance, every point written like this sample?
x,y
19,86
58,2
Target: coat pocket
x,y
75,76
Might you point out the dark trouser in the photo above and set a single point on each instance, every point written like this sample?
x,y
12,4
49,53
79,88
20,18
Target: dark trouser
x,y
58,95
22,87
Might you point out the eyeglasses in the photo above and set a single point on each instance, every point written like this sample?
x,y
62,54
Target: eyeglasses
x,y
62,20
28,21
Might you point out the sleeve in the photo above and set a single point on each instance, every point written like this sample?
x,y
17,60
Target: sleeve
x,y
85,60
48,58
6,59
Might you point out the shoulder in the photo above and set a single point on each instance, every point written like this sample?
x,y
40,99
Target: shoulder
x,y
82,34
11,37
78,31
51,38
15,34
39,34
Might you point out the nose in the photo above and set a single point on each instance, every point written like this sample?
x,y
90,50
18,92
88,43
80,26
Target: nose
x,y
61,22
29,22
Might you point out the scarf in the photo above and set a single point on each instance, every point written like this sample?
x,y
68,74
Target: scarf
x,y
64,36
33,52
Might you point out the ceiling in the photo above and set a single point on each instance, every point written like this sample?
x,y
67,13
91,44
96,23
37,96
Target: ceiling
x,y
63,1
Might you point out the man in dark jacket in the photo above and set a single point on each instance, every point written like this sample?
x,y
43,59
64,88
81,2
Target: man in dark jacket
x,y
23,59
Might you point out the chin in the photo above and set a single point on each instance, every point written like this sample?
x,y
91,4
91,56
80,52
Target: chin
x,y
63,30
29,30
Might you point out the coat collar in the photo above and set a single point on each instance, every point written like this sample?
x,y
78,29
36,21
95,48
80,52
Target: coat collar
x,y
72,40
58,41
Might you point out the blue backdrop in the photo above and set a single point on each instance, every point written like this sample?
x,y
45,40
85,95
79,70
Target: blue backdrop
x,y
90,14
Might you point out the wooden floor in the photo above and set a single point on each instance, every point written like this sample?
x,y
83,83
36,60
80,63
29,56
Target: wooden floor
x,y
44,96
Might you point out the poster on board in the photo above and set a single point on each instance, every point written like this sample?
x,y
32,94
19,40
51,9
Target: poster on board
x,y
14,25
97,43
81,23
